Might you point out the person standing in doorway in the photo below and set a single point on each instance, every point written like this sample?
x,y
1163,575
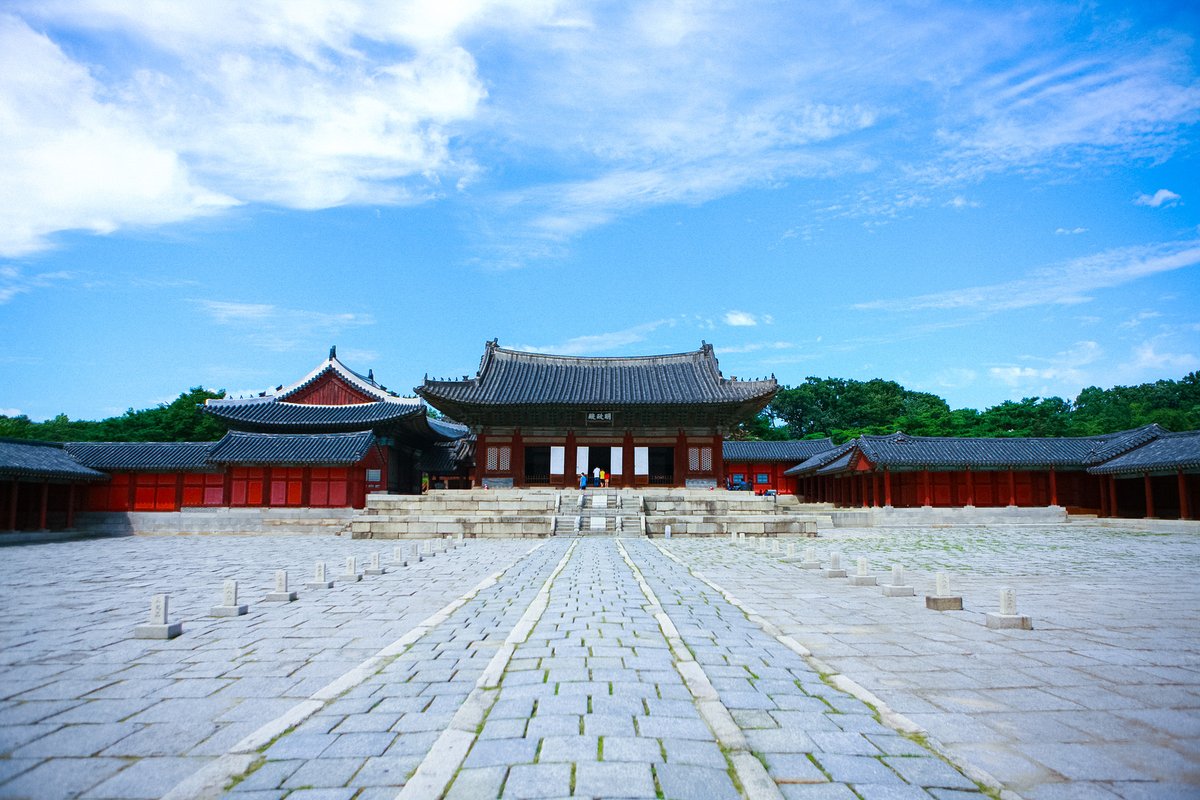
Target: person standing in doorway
x,y
582,481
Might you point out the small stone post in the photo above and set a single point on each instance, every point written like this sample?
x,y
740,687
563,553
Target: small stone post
x,y
862,577
667,532
1008,616
351,574
790,556
158,627
229,602
281,593
897,587
374,567
416,553
810,559
835,566
398,558
320,580
943,600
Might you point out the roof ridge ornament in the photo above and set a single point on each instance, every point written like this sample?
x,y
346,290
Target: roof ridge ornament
x,y
332,352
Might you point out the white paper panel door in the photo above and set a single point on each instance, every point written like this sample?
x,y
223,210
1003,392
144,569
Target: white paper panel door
x,y
641,461
558,457
616,461
581,459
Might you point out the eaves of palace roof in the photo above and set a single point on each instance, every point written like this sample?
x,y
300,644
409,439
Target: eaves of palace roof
x,y
22,459
1166,453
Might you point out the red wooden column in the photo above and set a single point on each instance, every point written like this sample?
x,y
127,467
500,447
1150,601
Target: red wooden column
x,y
681,458
570,456
862,488
887,486
227,487
480,458
178,490
266,487
1053,488
12,506
516,461
875,489
43,501
1012,488
71,506
925,499
1112,497
1181,482
970,487
1149,496
306,487
718,459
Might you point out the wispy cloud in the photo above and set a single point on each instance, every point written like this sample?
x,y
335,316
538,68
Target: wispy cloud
x,y
757,347
600,342
14,282
1069,231
282,329
1049,375
744,319
10,412
1070,282
1163,197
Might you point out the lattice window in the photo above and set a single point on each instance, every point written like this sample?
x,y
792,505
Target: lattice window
x,y
706,459
499,459
694,459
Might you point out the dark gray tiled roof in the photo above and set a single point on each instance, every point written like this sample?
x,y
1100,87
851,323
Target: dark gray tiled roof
x,y
899,450
1114,444
141,456
32,460
840,464
512,377
792,451
292,448
818,460
1166,453
279,416
445,458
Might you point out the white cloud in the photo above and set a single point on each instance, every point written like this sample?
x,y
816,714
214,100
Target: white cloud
x,y
743,319
958,202
10,412
1067,283
1147,357
282,329
299,104
1069,231
69,159
1061,374
1163,197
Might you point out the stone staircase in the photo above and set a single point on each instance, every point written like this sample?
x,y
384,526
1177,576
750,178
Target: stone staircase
x,y
600,512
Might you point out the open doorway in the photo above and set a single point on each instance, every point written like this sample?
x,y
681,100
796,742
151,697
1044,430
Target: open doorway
x,y
598,457
537,466
662,466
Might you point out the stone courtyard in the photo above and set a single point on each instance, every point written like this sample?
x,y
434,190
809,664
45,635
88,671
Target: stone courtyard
x,y
606,667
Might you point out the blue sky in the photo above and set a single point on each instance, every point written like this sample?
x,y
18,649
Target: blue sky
x,y
983,200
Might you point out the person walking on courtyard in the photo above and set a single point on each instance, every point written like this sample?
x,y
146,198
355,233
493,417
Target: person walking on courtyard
x,y
582,481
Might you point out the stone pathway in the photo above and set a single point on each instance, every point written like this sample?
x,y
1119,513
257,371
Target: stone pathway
x,y
598,667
